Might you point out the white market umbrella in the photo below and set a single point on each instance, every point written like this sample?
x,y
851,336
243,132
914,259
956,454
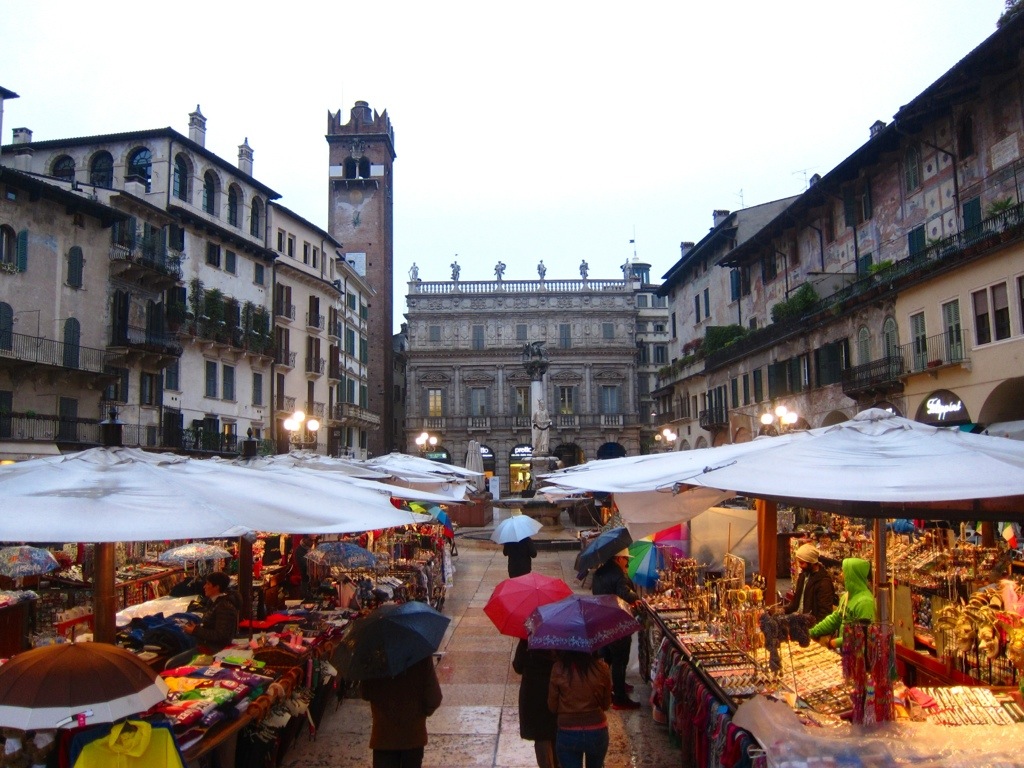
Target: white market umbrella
x,y
878,464
515,528
126,494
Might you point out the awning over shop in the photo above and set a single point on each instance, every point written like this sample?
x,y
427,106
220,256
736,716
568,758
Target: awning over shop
x,y
1012,429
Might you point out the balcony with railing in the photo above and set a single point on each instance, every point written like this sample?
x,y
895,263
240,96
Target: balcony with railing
x,y
926,354
145,340
315,366
314,320
284,404
714,418
875,377
284,311
20,351
146,262
284,358
569,422
353,415
334,371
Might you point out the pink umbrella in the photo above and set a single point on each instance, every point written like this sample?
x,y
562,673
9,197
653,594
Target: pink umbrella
x,y
676,537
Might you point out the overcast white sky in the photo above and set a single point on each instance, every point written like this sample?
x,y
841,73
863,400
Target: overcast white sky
x,y
536,130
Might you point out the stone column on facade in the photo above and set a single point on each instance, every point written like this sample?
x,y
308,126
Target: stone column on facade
x,y
535,361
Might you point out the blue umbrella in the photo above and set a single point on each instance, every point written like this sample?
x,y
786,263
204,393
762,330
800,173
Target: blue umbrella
x,y
390,640
603,547
342,553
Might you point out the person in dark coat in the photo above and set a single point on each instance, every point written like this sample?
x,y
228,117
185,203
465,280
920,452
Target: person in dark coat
x,y
220,621
520,555
612,579
536,722
814,593
399,708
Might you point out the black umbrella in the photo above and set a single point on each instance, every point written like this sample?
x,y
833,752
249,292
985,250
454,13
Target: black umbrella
x,y
390,640
603,547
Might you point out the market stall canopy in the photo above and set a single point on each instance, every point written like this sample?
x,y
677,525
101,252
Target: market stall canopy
x,y
126,494
647,488
422,474
880,465
335,470
312,460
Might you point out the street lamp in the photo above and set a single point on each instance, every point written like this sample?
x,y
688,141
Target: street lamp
x,y
426,441
666,436
302,431
780,420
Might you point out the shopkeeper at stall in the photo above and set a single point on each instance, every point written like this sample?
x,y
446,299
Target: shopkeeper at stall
x,y
220,621
856,604
814,592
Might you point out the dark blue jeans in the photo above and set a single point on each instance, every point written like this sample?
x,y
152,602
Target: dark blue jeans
x,y
398,758
572,746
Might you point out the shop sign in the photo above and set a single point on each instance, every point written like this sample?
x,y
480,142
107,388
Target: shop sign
x,y
522,452
943,407
486,453
937,407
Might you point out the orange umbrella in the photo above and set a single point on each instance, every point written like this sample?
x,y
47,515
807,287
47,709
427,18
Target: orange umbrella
x,y
513,600
89,682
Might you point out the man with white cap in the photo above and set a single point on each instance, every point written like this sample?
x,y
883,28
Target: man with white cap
x,y
814,593
612,579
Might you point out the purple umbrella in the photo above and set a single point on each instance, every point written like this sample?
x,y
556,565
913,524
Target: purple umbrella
x,y
580,623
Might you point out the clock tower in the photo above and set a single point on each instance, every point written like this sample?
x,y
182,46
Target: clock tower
x,y
360,216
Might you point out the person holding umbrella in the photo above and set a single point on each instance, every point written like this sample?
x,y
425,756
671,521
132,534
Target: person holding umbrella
x,y
580,693
520,555
612,579
399,708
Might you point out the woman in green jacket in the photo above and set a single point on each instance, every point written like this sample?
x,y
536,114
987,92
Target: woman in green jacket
x,y
856,604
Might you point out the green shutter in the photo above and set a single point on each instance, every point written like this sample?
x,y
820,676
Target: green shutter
x,y
23,251
849,208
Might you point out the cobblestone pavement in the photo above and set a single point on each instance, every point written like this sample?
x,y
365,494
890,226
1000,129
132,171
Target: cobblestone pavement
x,y
478,722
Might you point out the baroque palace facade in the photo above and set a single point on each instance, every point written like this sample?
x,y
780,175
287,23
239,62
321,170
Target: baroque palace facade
x,y
896,280
466,380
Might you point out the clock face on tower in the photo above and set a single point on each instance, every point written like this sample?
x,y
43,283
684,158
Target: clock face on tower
x,y
355,196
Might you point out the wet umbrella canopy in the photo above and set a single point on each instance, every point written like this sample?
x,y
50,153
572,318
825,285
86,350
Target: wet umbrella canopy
x,y
16,562
604,546
390,640
342,553
515,528
190,553
581,623
514,600
49,686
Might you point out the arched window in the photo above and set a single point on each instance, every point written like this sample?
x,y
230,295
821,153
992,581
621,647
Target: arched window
x,y
890,338
912,169
233,200
76,265
364,167
64,168
256,219
101,170
864,346
350,168
965,137
181,178
140,164
72,338
6,326
211,188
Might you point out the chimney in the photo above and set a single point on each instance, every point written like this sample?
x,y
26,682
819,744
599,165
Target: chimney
x,y
23,158
814,179
719,216
22,135
136,185
685,247
245,157
197,127
876,128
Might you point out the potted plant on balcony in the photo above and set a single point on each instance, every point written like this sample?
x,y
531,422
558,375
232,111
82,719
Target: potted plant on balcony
x,y
934,363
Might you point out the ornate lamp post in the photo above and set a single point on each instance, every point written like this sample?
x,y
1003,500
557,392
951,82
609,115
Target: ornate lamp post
x,y
778,421
301,431
426,442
